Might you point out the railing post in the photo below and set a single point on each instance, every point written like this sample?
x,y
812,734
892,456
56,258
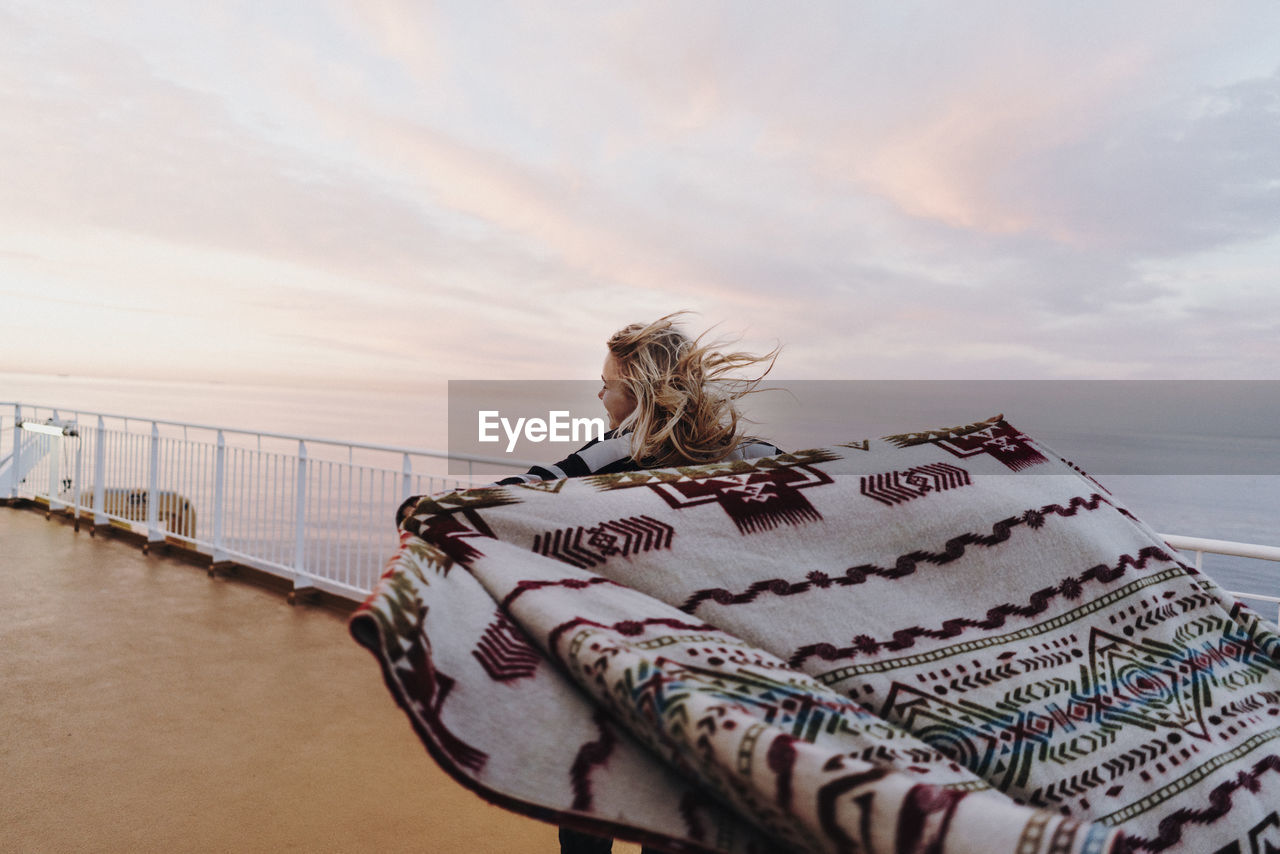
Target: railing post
x,y
76,478
54,444
406,478
100,475
17,450
219,500
300,524
154,535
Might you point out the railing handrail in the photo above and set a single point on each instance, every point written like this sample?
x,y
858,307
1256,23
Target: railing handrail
x,y
1223,547
289,478
291,437
325,523
1201,545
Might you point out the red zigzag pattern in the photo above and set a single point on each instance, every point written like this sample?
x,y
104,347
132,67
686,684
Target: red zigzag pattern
x,y
1039,601
1170,828
903,566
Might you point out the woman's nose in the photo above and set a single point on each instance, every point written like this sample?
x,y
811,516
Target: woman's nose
x,y
600,394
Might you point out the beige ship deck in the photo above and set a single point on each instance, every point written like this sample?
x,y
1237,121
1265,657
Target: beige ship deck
x,y
146,707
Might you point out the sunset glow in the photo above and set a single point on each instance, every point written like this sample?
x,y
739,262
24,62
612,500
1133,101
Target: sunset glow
x,y
366,192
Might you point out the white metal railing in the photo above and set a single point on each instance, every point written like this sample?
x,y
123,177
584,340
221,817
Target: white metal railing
x,y
1200,545
316,511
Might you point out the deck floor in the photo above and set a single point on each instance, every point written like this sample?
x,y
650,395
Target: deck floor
x,y
146,707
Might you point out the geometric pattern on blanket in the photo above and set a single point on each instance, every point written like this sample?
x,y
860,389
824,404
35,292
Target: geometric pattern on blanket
x,y
949,640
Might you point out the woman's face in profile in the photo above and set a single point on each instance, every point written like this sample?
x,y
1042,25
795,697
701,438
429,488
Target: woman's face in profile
x,y
618,401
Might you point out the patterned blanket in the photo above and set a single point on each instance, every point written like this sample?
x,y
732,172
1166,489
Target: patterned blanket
x,y
949,641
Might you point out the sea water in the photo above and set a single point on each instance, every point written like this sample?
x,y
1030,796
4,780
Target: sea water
x,y
1237,506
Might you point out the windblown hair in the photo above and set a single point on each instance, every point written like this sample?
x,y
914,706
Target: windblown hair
x,y
686,411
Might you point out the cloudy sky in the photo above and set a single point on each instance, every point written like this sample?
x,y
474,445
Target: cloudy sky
x,y
373,191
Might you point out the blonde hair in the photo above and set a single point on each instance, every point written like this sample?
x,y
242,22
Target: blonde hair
x,y
686,411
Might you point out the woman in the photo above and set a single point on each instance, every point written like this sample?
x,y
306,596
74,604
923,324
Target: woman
x,y
670,401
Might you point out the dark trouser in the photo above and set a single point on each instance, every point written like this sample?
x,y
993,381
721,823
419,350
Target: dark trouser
x,y
576,842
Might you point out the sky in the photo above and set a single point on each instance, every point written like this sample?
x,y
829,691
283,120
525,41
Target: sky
x,y
377,193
